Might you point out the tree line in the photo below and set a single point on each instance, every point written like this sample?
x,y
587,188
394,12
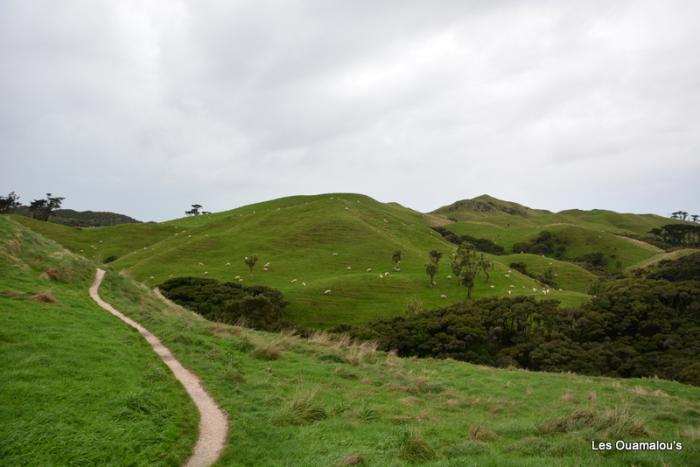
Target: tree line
x,y
41,209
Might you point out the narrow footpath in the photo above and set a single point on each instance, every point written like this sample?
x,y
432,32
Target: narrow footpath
x,y
213,422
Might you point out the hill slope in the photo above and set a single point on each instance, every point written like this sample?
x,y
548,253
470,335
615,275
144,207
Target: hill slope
x,y
294,401
77,386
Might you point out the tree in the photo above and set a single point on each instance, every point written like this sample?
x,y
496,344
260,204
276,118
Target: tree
x,y
396,258
695,217
195,211
250,262
43,208
435,257
485,265
466,264
9,202
431,268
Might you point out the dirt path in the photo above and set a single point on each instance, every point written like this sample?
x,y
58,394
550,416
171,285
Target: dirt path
x,y
213,422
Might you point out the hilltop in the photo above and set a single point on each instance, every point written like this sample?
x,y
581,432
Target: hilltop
x,y
84,388
75,218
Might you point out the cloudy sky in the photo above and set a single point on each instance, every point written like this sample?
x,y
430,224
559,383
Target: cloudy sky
x,y
144,107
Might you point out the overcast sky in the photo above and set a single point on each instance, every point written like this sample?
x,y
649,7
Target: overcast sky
x,y
144,107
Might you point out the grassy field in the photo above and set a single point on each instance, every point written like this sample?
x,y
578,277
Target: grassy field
x,y
78,387
341,242
297,402
344,243
568,276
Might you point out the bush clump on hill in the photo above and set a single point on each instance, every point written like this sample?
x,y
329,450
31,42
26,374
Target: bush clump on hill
x,y
257,307
683,269
545,243
481,244
631,328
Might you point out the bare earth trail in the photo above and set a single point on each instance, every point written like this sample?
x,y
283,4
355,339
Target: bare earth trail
x,y
213,422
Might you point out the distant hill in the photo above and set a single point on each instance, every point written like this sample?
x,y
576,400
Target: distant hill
x,y
488,206
83,218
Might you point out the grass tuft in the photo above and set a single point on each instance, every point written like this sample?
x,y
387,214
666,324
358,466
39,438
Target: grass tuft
x,y
413,448
301,410
481,433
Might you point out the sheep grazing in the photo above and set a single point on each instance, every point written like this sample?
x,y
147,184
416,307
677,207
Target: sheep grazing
x,y
511,286
349,268
266,265
265,269
200,264
509,271
228,264
335,254
386,221
237,277
449,276
386,274
381,276
492,286
327,292
304,284
369,269
152,277
509,292
189,236
534,290
293,281
443,296
206,272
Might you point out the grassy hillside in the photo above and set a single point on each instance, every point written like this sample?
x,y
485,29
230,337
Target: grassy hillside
x,y
329,402
567,275
85,389
99,243
78,387
337,242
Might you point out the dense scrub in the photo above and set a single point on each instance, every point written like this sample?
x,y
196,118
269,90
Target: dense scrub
x,y
545,243
482,244
632,327
259,307
682,269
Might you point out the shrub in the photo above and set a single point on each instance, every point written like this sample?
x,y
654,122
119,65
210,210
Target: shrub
x,y
110,259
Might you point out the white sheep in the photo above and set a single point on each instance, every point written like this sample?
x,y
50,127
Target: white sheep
x,y
327,292
335,254
266,265
369,269
349,268
206,272
228,264
509,292
304,284
200,263
449,276
492,286
293,281
443,296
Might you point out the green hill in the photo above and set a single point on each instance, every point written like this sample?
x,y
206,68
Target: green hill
x,y
79,387
336,242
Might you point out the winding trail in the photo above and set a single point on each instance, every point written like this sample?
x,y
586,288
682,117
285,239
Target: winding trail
x,y
213,422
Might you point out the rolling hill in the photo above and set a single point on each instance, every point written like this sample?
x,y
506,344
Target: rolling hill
x,y
336,242
331,254
84,389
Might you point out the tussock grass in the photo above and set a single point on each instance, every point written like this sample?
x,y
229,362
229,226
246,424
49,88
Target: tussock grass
x,y
267,351
481,433
413,448
613,423
301,410
351,459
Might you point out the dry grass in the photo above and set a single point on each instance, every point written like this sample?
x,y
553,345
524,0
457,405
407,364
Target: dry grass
x,y
481,433
691,433
414,448
351,459
267,351
569,397
614,423
43,297
592,396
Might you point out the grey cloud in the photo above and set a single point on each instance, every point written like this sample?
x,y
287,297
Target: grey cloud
x,y
144,107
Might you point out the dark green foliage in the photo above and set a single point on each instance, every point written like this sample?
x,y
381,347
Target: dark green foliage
x,y
683,269
9,202
259,307
632,327
520,267
595,261
678,234
42,209
110,259
81,218
481,244
545,243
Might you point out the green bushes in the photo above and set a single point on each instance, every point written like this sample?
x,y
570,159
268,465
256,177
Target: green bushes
x,y
257,307
545,243
631,328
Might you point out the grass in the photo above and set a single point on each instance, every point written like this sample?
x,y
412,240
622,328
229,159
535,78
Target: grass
x,y
310,407
310,242
103,397
78,387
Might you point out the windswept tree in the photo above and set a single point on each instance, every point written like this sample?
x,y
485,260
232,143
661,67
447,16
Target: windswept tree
x,y
466,265
195,211
250,262
695,217
42,209
433,265
431,269
9,202
396,258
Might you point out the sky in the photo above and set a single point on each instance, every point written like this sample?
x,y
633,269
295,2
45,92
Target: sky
x,y
145,107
